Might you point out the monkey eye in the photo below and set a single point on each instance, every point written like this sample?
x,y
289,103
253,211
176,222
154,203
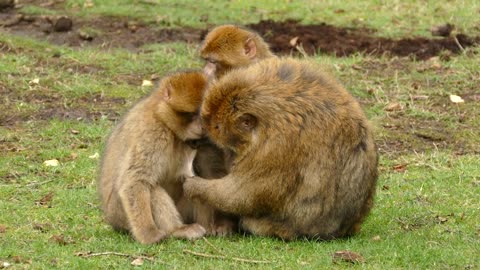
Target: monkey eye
x,y
210,60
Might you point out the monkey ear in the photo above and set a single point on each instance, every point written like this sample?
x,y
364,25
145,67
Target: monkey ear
x,y
167,92
247,122
250,48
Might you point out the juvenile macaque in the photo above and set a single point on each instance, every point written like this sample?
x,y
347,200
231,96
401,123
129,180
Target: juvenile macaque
x,y
228,46
146,158
305,162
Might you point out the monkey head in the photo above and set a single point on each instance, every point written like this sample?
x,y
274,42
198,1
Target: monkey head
x,y
226,116
229,46
182,94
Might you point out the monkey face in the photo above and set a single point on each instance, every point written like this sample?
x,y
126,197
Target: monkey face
x,y
194,129
215,69
182,93
232,130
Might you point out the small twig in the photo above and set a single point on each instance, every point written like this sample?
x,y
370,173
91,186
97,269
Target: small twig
x,y
37,183
458,43
89,254
212,246
221,257
301,50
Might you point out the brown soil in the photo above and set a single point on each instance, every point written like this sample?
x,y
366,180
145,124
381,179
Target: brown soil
x,y
46,105
321,38
324,38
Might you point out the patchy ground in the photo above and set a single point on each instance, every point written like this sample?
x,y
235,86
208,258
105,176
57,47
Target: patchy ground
x,y
284,37
402,130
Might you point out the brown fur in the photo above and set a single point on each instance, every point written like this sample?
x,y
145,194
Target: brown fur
x,y
305,160
146,158
224,48
229,46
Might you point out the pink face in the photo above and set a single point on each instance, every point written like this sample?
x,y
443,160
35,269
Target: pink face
x,y
195,129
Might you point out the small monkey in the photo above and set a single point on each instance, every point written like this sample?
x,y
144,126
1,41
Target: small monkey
x,y
146,158
305,162
228,46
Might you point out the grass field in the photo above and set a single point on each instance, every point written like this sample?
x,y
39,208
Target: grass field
x,y
60,102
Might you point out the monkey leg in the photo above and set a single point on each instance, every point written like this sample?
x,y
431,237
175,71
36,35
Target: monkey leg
x,y
267,227
204,215
136,199
168,219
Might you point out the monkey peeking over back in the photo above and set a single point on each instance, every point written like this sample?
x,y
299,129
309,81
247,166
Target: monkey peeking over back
x,y
146,158
228,46
305,162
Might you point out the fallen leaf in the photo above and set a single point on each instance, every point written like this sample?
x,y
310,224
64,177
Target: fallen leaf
x,y
376,238
59,239
45,199
5,265
348,256
293,41
456,99
42,227
356,67
3,228
34,81
431,63
88,4
73,155
442,219
94,156
51,163
443,30
73,131
83,253
146,83
338,11
137,262
400,167
394,106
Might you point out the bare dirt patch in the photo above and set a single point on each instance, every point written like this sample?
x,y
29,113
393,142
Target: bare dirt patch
x,y
46,105
283,37
324,38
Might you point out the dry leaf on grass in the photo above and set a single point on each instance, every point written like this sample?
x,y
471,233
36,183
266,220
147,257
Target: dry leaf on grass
x,y
51,163
348,256
376,238
137,262
293,41
61,240
146,83
456,99
3,228
400,167
393,106
34,81
43,227
45,199
94,156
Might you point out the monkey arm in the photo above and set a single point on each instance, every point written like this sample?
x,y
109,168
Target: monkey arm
x,y
227,194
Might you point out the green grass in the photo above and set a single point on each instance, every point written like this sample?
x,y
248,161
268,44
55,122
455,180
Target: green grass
x,y
394,18
427,207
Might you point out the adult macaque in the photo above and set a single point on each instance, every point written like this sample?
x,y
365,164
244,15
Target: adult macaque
x,y
224,48
146,158
305,162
